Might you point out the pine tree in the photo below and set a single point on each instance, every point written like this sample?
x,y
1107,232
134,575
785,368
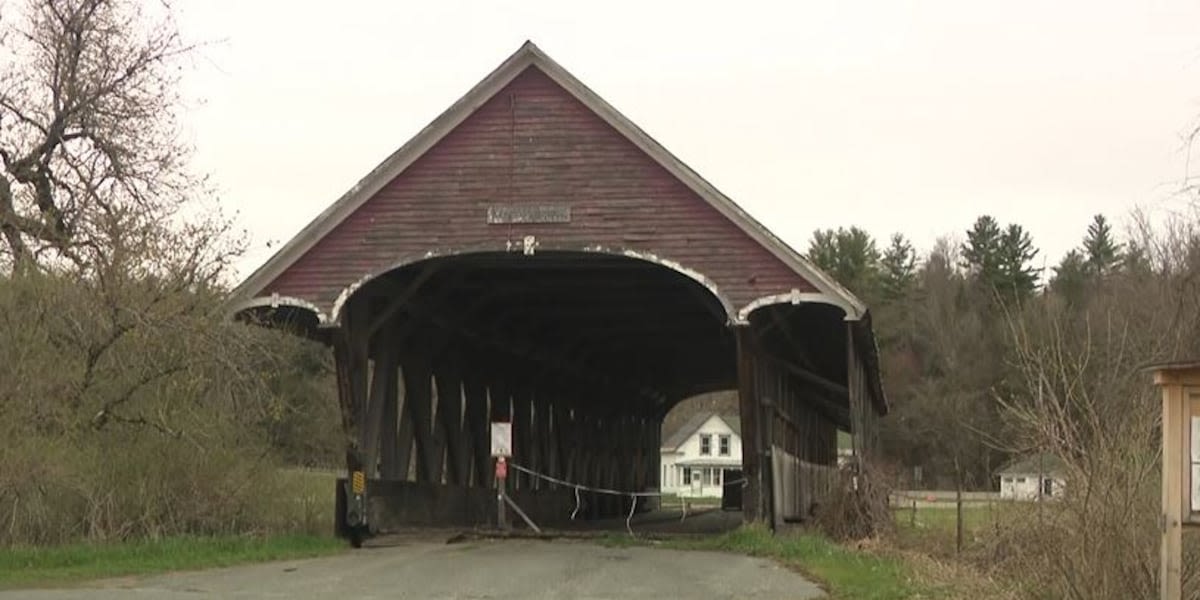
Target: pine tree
x,y
849,256
823,250
1071,277
999,259
1102,252
981,252
898,268
1016,254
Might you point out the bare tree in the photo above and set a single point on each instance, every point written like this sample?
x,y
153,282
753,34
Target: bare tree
x,y
128,406
88,140
1081,394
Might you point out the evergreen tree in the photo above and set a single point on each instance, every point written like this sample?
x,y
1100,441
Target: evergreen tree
x,y
849,256
999,259
1071,277
1019,277
823,250
1102,252
898,268
981,252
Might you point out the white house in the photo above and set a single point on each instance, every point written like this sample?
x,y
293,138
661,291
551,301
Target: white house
x,y
1031,477
701,455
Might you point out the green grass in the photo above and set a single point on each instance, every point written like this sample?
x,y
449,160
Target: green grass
x,y
304,501
846,574
933,529
701,501
56,565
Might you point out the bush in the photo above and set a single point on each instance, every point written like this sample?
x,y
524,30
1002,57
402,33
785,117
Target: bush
x,y
133,409
108,488
858,507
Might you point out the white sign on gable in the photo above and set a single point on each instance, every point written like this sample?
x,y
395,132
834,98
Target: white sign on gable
x,y
501,439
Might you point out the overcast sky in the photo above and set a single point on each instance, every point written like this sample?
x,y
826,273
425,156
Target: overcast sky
x,y
894,116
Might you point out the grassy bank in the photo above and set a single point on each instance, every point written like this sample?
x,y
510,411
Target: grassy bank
x,y
845,573
36,567
874,571
932,529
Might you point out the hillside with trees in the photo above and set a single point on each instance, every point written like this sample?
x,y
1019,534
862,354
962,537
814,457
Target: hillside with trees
x,y
987,359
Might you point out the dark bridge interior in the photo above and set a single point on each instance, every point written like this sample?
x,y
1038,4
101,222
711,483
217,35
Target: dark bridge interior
x,y
644,333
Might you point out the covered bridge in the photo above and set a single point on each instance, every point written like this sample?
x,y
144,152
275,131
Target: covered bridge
x,y
533,256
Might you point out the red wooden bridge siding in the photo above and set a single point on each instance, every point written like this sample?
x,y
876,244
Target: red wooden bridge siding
x,y
534,143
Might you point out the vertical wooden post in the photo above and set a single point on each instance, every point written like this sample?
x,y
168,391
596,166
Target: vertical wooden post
x,y
350,359
749,410
567,437
449,422
477,430
542,440
1177,380
382,380
406,431
388,447
1171,568
418,399
522,423
344,364
767,390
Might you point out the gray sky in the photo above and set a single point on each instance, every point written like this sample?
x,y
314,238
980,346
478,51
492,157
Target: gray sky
x,y
895,116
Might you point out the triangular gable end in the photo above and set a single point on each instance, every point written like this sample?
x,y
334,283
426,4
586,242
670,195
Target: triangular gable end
x,y
529,55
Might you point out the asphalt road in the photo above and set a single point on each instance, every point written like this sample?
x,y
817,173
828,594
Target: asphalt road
x,y
474,569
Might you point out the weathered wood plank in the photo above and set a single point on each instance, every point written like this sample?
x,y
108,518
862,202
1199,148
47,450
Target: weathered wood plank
x,y
542,436
418,399
350,359
1173,434
522,435
383,374
752,509
405,433
449,418
389,447
476,424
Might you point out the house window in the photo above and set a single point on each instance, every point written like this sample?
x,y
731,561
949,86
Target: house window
x,y
723,447
706,445
687,475
1047,487
1020,480
1008,480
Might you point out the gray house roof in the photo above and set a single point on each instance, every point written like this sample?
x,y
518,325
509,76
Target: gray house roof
x,y
676,439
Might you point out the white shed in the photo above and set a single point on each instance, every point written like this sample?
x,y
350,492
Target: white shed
x,y
1032,477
